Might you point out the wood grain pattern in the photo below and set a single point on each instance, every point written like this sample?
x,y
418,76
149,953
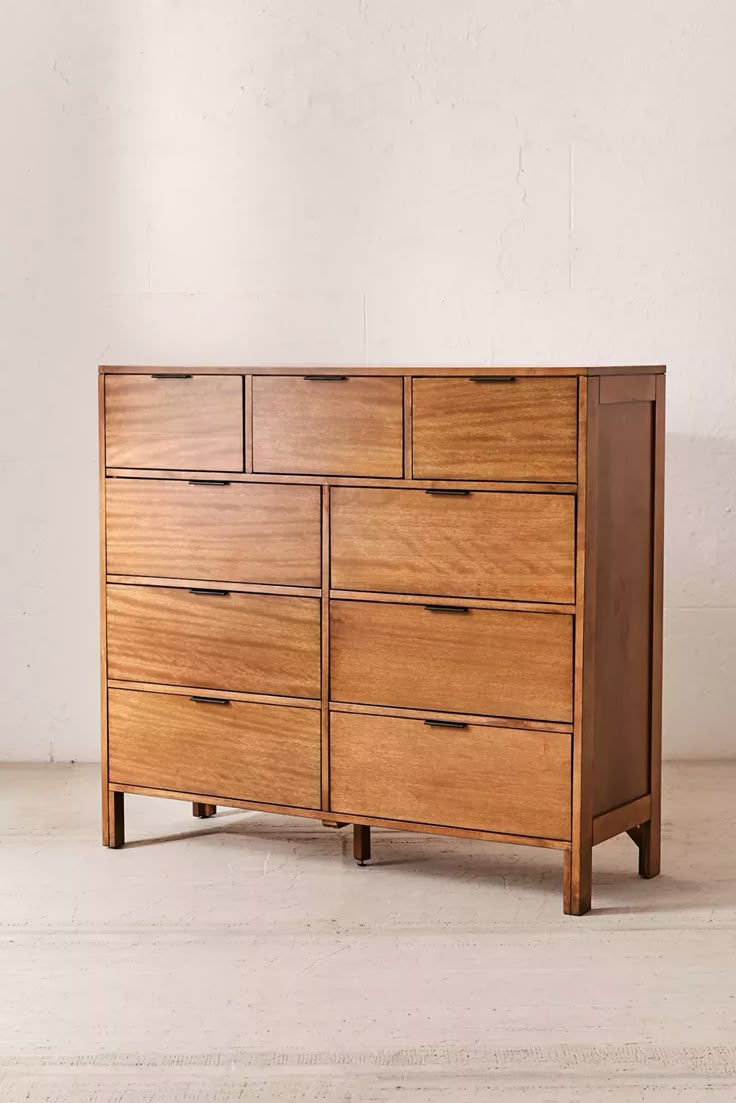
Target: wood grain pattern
x,y
451,599
346,480
496,779
226,694
519,546
325,642
465,717
101,382
236,587
408,656
347,427
623,567
254,643
525,430
261,752
195,422
239,533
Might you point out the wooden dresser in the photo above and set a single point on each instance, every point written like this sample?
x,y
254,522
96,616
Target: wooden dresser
x,y
424,598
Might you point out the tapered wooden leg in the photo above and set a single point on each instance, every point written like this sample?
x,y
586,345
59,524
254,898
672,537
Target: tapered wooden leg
x,y
649,849
361,843
333,823
116,819
577,879
203,811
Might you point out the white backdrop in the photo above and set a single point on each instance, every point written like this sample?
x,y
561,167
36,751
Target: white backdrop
x,y
354,182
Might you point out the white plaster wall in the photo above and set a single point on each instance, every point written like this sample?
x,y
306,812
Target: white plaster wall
x,y
350,182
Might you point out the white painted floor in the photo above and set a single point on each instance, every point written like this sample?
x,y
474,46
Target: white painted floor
x,y
248,958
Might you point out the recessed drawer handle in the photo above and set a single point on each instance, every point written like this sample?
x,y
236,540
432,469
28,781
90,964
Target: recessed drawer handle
x,y
444,724
449,492
327,378
210,700
447,608
492,378
212,593
171,375
209,482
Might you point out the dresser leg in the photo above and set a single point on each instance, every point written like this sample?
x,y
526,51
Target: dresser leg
x,y
577,876
649,849
116,819
361,843
203,811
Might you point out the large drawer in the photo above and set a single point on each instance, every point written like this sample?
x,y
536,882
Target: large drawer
x,y
338,425
251,643
489,779
190,422
524,430
263,753
241,532
482,661
514,546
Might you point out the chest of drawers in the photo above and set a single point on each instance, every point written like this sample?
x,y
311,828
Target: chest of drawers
x,y
427,599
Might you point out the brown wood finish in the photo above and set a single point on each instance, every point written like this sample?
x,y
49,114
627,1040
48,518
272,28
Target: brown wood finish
x,y
578,865
621,819
623,603
452,371
409,656
628,388
254,643
262,752
342,426
519,546
464,717
524,430
344,480
361,844
554,673
650,849
495,779
166,422
244,532
225,694
103,613
203,811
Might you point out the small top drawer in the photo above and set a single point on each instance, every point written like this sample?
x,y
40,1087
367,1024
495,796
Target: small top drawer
x,y
172,422
328,425
502,428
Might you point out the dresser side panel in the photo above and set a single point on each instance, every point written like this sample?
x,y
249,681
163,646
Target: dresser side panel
x,y
624,561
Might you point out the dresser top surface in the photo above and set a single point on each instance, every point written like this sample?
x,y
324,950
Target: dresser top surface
x,y
142,369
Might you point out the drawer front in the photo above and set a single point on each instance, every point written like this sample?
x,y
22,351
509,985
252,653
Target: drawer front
x,y
488,779
525,431
265,753
515,546
484,661
342,426
243,532
251,643
195,423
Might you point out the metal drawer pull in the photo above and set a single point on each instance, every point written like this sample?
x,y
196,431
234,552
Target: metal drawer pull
x,y
444,724
210,700
171,375
209,482
492,378
449,492
447,608
214,593
327,378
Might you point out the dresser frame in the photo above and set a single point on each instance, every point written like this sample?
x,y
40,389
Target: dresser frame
x,y
610,444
